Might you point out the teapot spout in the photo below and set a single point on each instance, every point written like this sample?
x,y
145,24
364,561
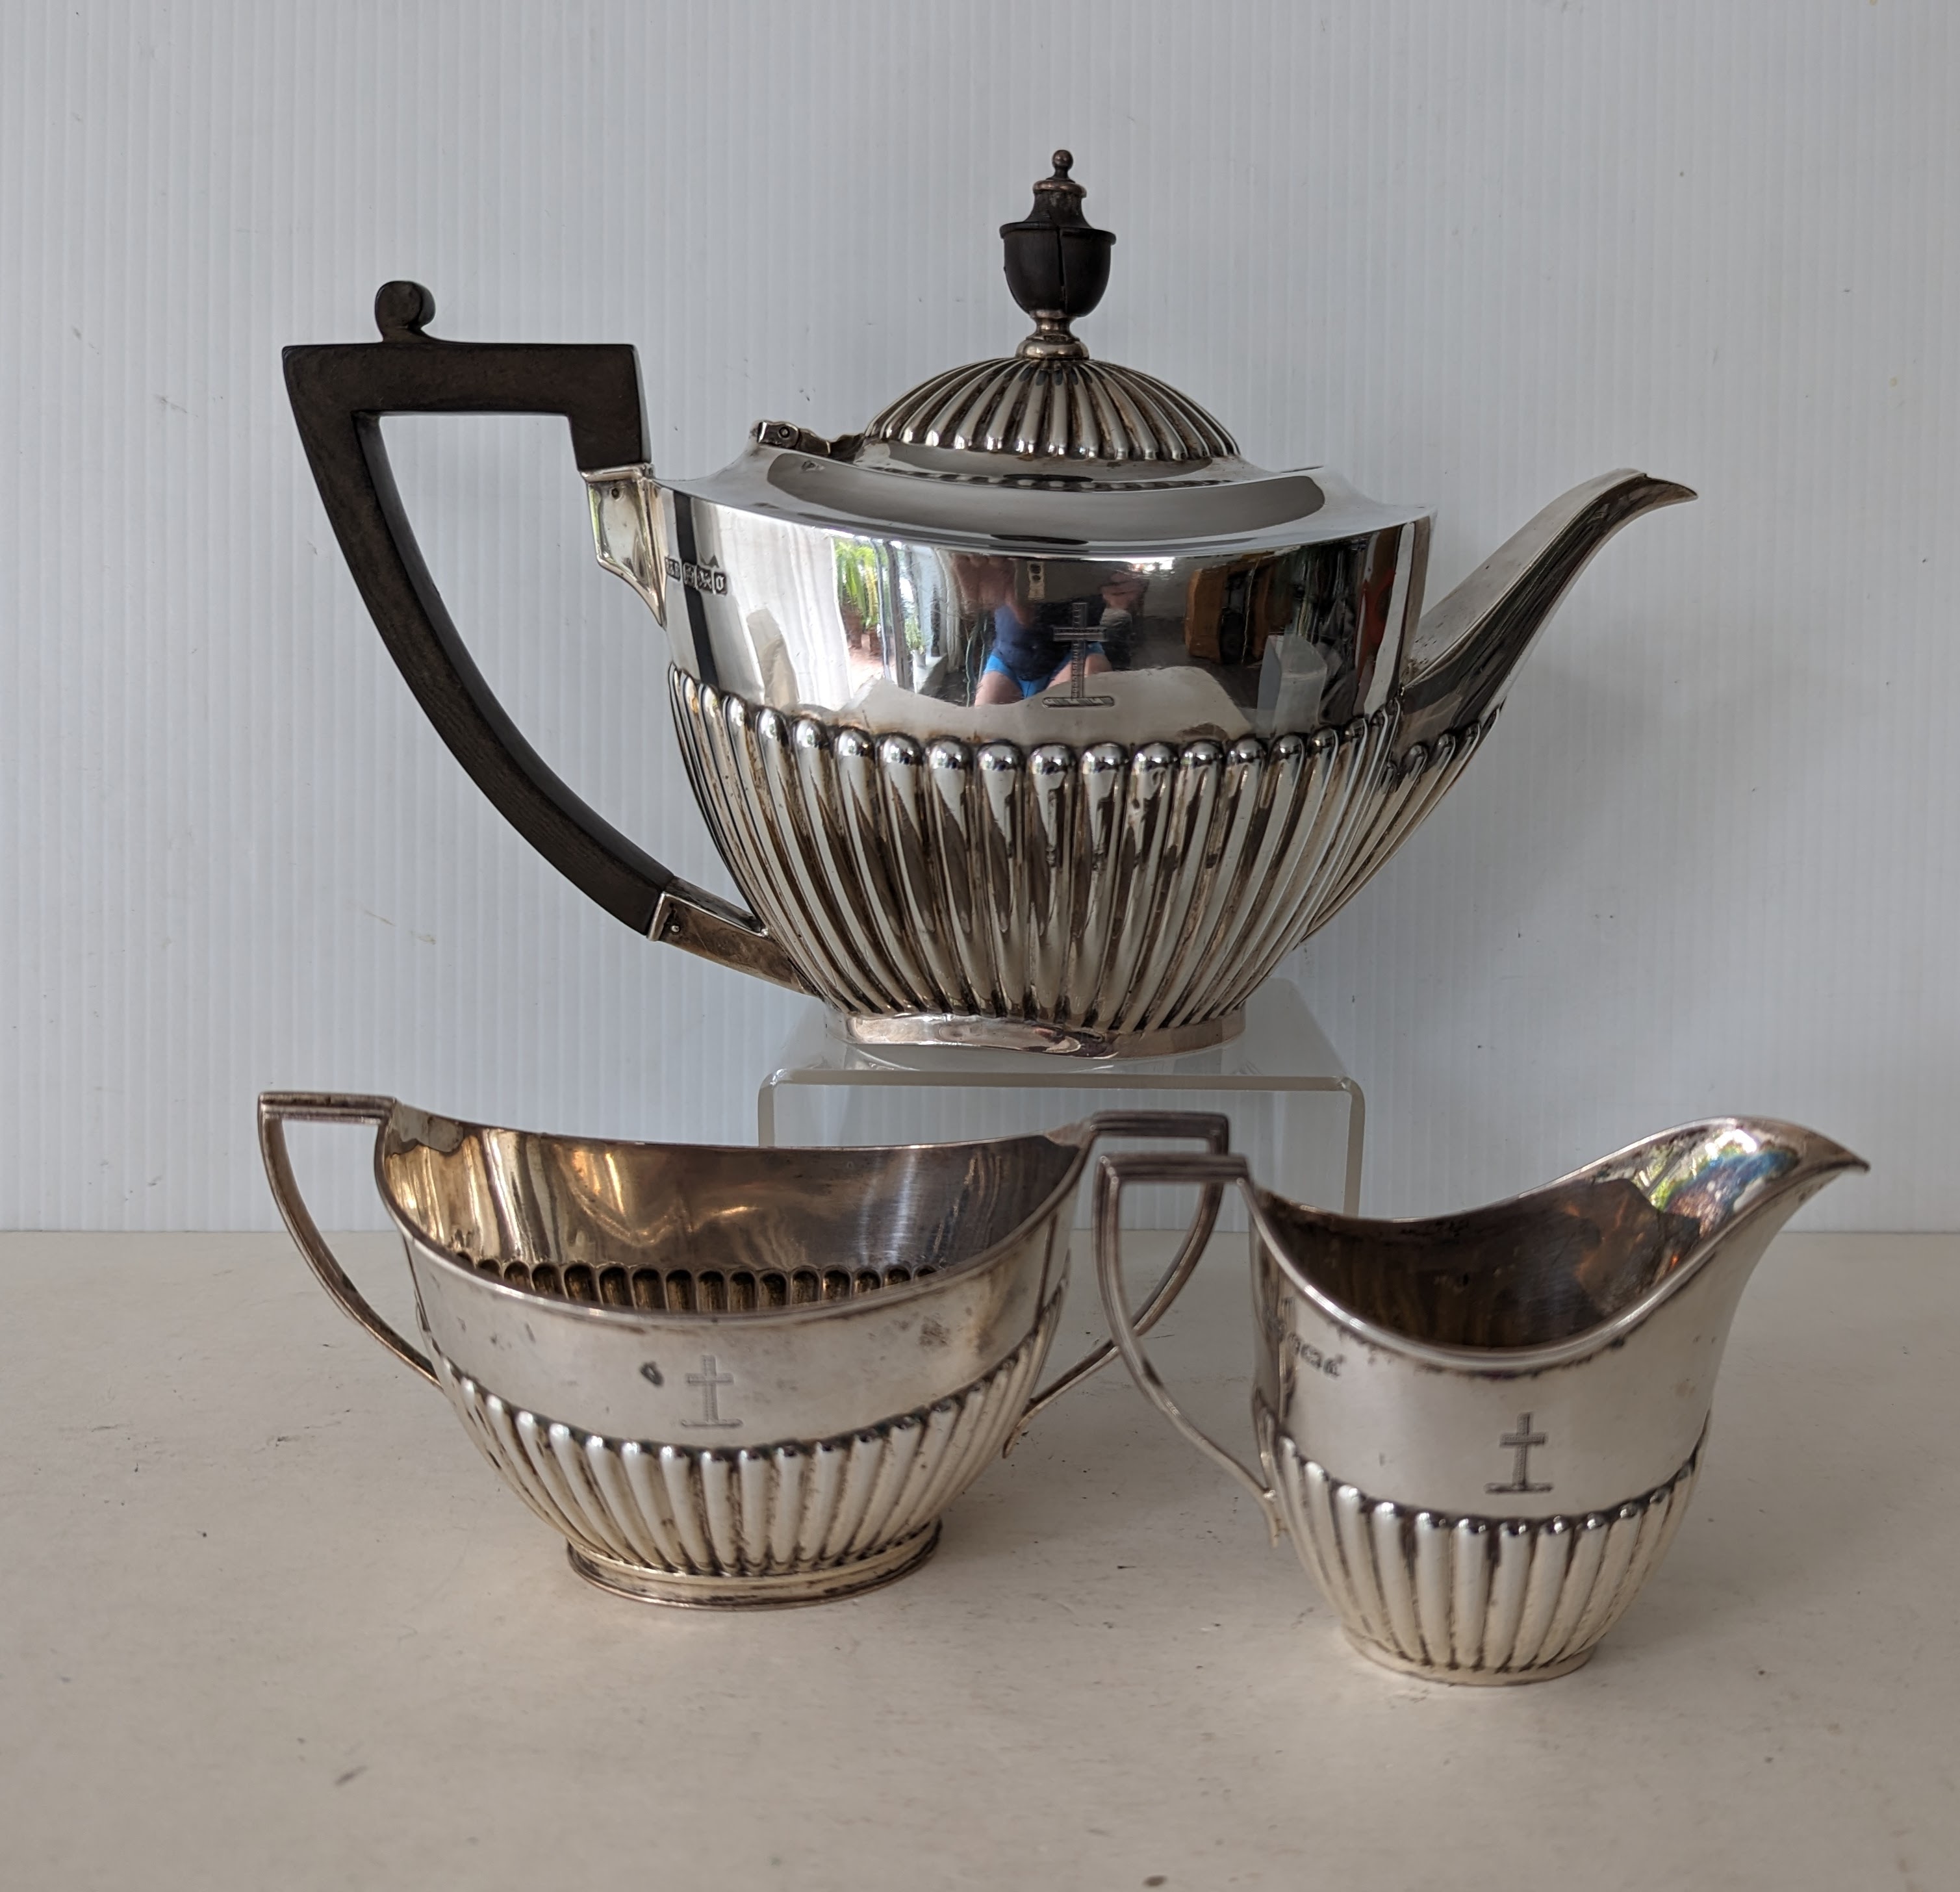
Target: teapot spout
x,y
1466,647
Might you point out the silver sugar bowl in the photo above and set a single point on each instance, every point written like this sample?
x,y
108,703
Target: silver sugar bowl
x,y
729,1377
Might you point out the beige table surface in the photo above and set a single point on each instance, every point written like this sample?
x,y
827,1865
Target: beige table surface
x,y
269,1622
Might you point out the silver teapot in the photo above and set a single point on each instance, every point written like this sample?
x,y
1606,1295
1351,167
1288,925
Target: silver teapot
x,y
1030,715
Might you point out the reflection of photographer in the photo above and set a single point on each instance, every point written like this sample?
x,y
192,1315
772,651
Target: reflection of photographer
x,y
1028,657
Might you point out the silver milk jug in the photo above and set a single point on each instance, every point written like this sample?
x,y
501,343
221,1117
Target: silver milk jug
x,y
1482,1431
730,1377
1029,714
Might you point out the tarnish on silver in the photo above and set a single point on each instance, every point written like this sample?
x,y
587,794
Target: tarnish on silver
x,y
1481,1431
1478,1599
730,1377
797,1521
1131,894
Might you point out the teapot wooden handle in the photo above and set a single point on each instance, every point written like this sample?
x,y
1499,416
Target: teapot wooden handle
x,y
339,392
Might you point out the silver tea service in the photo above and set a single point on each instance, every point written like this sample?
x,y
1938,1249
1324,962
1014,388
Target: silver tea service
x,y
1031,714
1482,1431
728,1377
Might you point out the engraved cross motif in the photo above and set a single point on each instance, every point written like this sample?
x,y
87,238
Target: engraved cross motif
x,y
1079,635
709,1379
1519,1444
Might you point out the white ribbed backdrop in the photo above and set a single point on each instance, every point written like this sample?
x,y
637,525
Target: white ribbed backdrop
x,y
1469,252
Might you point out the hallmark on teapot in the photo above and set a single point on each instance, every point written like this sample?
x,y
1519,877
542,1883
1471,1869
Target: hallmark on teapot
x,y
708,578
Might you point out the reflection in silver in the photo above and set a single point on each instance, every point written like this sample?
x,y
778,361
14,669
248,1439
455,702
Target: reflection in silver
x,y
1208,747
810,583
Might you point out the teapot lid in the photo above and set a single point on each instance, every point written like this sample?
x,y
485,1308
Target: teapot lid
x,y
1049,400
1046,447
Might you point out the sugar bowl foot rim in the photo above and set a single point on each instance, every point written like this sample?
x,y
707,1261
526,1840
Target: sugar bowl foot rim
x,y
780,1590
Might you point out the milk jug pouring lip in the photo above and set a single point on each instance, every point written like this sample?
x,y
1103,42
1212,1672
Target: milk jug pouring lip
x,y
1035,601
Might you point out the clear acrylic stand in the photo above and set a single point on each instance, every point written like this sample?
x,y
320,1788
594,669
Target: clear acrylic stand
x,y
1296,1113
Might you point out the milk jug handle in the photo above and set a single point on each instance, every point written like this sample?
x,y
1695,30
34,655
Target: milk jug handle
x,y
276,1108
1153,1166
1213,1128
339,393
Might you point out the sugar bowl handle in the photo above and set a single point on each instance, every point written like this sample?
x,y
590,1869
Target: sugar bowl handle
x,y
1167,1166
276,1108
340,392
1212,1128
